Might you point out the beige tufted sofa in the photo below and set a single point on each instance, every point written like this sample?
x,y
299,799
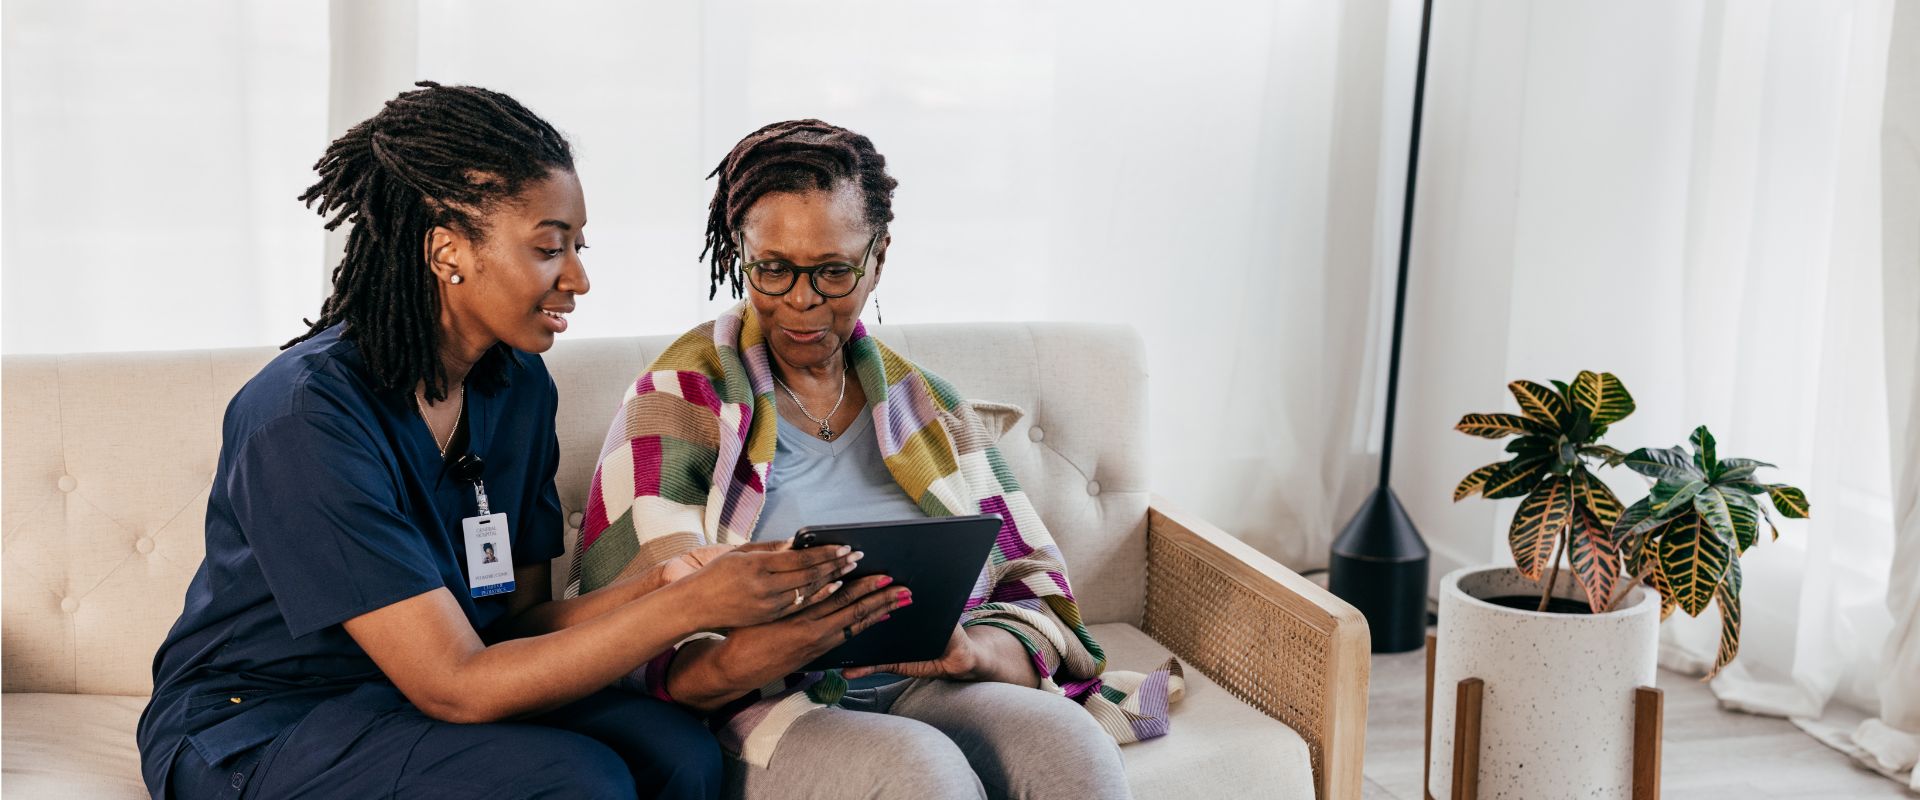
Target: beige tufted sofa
x,y
108,459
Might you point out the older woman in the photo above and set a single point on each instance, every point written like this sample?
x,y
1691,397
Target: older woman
x,y
373,617
784,412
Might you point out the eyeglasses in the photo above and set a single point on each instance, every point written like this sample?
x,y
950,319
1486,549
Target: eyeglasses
x,y
776,276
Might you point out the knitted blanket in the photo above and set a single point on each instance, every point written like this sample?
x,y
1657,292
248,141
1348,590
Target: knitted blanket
x,y
686,463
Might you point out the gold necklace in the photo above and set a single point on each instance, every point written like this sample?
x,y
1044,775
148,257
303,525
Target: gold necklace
x,y
420,403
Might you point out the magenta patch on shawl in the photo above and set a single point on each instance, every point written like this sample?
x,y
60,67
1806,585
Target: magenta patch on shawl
x,y
645,384
744,474
1040,665
647,463
1061,581
1011,591
1008,542
1080,690
697,389
859,332
594,521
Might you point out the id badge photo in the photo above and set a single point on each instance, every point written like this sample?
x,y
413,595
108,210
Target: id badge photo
x,y
489,555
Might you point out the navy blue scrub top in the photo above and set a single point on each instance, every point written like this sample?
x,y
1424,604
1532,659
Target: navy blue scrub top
x,y
331,500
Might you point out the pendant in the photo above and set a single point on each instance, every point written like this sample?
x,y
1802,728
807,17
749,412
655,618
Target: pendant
x,y
825,433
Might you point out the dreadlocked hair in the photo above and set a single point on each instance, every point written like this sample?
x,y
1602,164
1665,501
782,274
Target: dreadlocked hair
x,y
434,156
794,156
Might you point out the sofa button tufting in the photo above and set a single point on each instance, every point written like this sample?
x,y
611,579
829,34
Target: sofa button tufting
x,y
143,544
1093,487
69,605
573,519
68,483
1035,434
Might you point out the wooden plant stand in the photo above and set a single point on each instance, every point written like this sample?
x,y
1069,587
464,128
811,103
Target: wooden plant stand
x,y
1647,724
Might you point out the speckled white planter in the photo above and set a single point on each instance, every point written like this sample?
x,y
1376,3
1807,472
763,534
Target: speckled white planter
x,y
1557,710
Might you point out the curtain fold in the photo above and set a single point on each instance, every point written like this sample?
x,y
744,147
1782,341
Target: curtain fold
x,y
1687,195
1891,742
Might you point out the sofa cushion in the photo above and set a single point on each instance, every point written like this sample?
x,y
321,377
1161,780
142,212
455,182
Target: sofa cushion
x,y
70,745
1218,746
79,745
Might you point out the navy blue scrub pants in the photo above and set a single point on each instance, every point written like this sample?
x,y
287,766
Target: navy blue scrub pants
x,y
373,743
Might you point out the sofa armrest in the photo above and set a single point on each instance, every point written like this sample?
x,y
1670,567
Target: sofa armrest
x,y
1274,639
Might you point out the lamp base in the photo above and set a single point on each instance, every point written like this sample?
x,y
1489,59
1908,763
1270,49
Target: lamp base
x,y
1379,565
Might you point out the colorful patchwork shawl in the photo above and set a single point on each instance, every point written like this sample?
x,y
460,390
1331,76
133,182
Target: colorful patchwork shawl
x,y
686,463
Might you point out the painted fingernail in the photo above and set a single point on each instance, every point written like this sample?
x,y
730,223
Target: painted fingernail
x,y
860,555
833,587
904,594
885,580
842,550
886,617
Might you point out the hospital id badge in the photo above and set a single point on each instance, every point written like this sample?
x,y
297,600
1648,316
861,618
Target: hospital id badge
x,y
489,555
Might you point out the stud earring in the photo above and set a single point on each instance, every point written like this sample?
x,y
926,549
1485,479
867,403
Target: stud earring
x,y
456,279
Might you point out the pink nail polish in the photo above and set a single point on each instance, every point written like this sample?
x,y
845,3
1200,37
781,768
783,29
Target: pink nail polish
x,y
904,594
885,581
885,617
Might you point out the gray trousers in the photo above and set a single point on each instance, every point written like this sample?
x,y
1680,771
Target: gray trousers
x,y
931,740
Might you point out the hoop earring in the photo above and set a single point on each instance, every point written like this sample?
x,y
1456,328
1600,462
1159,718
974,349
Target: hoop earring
x,y
455,279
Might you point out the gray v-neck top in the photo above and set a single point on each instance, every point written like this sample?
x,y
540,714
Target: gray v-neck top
x,y
817,482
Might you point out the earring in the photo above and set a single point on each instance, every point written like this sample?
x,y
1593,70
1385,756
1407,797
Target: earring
x,y
877,311
456,279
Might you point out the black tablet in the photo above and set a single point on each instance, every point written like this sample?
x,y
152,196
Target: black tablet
x,y
939,559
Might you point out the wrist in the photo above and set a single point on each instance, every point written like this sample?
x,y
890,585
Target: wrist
x,y
973,656
678,600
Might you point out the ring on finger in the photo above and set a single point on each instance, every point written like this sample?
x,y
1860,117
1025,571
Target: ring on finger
x,y
799,596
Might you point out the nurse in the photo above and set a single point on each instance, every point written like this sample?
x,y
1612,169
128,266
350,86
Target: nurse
x,y
373,617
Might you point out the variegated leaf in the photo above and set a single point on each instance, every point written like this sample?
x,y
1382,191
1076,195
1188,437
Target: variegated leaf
x,y
1663,464
1658,581
1497,426
1595,558
1728,596
1791,502
1693,560
1475,481
1604,396
1632,516
1745,512
1639,550
1712,508
1626,539
1704,456
1541,404
1516,477
1538,525
1595,496
1610,456
1669,497
1535,445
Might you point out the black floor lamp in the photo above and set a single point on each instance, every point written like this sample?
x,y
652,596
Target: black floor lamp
x,y
1379,561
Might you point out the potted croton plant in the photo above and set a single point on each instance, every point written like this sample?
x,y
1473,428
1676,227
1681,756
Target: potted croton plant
x,y
1563,638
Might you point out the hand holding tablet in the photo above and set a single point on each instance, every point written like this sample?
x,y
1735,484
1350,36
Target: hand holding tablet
x,y
937,559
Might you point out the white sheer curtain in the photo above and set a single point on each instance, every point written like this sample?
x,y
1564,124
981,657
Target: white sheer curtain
x,y
1204,171
1891,743
1687,195
153,154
